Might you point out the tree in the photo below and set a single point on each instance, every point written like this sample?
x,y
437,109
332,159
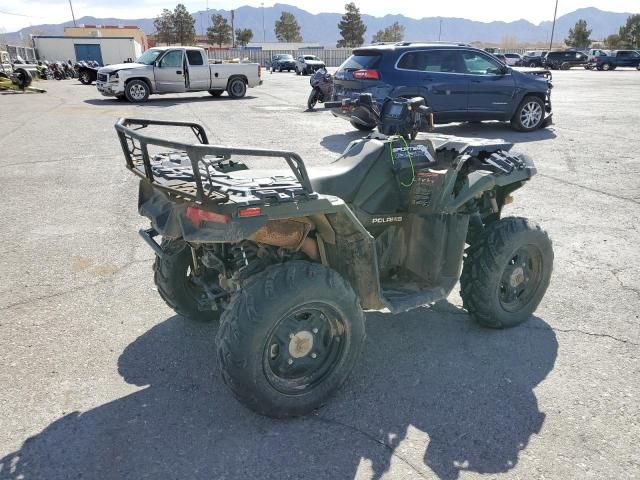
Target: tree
x,y
164,27
287,28
630,32
613,41
184,28
244,36
352,28
579,35
393,33
220,30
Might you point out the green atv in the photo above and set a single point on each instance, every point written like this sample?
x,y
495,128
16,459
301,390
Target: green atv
x,y
289,259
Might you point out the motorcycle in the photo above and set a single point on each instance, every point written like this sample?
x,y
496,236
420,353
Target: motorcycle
x,y
322,88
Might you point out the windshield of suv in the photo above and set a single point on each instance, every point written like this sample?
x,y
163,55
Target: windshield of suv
x,y
310,57
148,57
361,61
286,57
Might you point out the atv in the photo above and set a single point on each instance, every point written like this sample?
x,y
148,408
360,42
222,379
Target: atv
x,y
288,260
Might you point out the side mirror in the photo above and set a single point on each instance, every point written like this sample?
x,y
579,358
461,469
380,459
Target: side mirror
x,y
156,64
504,70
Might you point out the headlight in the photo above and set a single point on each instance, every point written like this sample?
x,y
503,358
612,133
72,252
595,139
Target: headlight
x,y
113,77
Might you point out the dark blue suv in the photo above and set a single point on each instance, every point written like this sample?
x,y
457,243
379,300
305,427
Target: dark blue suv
x,y
458,82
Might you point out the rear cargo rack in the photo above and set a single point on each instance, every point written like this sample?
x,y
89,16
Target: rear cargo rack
x,y
203,158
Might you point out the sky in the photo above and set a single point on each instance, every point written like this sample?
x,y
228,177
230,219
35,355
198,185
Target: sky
x,y
16,15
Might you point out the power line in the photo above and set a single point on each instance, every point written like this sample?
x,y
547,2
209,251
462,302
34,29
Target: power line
x,y
18,14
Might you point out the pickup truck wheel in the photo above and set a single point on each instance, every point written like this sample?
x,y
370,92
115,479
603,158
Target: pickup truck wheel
x,y
606,66
216,93
529,115
237,88
137,91
289,338
174,279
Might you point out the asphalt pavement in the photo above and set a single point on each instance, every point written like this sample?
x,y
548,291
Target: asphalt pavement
x,y
101,380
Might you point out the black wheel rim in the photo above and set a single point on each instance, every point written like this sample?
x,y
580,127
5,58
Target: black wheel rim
x,y
520,279
304,348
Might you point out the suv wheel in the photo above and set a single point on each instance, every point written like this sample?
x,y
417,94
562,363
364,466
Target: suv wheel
x,y
530,114
533,64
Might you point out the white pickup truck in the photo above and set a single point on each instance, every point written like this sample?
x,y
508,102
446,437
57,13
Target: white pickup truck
x,y
176,70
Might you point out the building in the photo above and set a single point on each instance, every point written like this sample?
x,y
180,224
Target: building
x,y
127,31
104,50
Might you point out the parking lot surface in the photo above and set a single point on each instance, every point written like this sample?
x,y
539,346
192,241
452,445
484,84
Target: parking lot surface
x,y
101,380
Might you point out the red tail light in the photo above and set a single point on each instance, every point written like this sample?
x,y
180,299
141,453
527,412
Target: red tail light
x,y
259,71
366,75
250,212
197,216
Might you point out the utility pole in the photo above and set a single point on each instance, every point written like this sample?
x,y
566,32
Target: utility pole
x,y
264,32
440,31
233,32
72,14
553,28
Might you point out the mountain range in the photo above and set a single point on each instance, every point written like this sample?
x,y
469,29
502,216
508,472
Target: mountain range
x,y
323,27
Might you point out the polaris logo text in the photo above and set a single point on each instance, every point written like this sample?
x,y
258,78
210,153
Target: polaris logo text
x,y
386,219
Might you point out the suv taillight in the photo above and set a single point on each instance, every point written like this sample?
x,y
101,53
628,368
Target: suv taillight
x,y
366,75
259,71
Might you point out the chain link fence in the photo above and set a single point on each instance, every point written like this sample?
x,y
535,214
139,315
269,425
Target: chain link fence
x,y
28,54
331,57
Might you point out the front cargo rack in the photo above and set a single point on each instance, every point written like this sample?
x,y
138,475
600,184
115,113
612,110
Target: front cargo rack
x,y
209,161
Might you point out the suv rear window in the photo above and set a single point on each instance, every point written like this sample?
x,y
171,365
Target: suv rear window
x,y
361,61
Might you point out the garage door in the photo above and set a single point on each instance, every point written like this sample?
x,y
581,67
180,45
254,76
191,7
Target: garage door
x,y
88,52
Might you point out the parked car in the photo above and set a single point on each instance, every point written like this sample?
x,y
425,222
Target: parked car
x,y
501,57
533,58
618,58
176,70
564,60
592,57
283,62
459,83
308,64
513,59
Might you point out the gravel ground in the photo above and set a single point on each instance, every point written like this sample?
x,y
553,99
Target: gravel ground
x,y
101,380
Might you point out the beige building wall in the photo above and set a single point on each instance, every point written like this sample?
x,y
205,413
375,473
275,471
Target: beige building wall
x,y
109,31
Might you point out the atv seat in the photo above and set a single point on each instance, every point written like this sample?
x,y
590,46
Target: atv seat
x,y
343,178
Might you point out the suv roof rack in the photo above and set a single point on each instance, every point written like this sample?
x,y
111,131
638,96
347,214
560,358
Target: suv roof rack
x,y
438,42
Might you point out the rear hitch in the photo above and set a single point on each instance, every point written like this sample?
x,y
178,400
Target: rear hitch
x,y
147,236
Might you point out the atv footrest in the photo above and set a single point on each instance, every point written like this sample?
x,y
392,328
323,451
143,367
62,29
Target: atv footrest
x,y
398,301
